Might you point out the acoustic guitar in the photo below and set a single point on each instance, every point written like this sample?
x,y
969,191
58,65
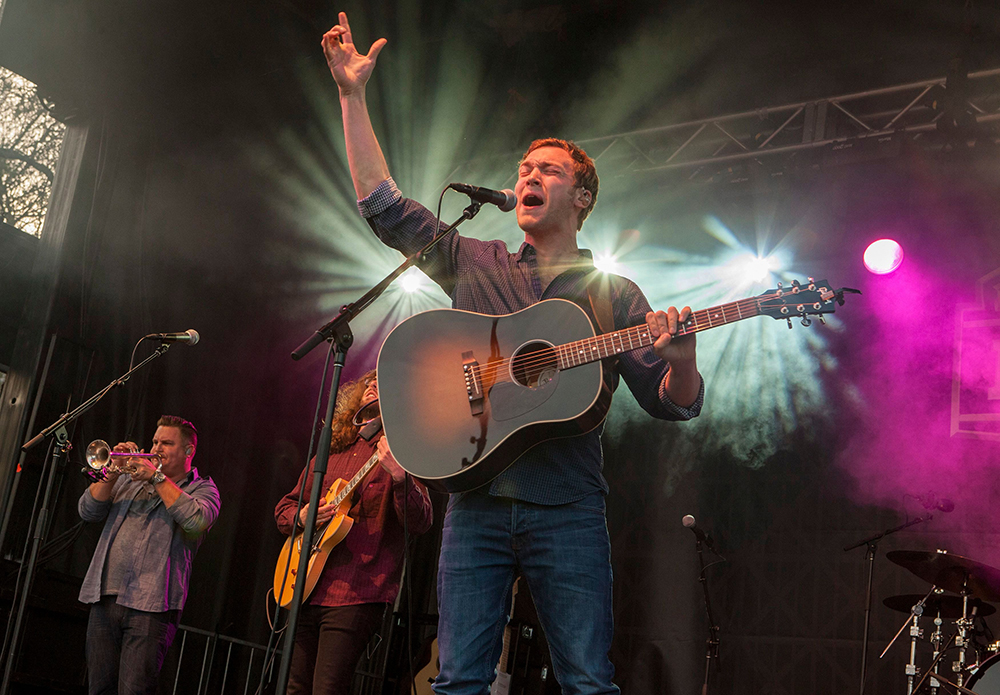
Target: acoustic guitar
x,y
463,394
325,539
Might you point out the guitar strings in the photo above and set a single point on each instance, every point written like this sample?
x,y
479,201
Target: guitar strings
x,y
701,320
567,350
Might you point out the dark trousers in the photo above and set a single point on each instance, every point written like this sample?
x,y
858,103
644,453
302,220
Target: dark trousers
x,y
126,647
328,643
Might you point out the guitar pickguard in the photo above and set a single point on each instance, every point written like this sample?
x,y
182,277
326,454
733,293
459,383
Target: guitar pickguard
x,y
509,400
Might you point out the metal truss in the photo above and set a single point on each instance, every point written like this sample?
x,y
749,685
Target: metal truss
x,y
946,112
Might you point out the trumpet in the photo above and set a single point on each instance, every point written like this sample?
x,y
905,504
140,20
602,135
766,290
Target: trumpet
x,y
101,458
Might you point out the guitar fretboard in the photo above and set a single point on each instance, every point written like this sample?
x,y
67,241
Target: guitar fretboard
x,y
358,477
599,347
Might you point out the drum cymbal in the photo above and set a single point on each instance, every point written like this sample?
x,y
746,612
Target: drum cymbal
x,y
949,607
952,573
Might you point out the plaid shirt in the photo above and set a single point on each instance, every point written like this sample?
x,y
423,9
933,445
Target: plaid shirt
x,y
365,566
158,577
483,276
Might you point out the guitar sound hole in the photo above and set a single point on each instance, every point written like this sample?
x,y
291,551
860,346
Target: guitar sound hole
x,y
534,365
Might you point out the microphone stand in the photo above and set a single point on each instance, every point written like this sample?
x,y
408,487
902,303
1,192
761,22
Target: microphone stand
x,y
338,332
872,544
37,526
712,643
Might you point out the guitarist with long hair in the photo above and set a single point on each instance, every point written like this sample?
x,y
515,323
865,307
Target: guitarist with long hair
x,y
544,516
362,572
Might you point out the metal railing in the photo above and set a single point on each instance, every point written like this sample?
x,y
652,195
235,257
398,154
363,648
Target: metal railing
x,y
225,662
201,662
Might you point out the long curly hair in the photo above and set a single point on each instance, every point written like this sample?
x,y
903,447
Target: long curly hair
x,y
348,402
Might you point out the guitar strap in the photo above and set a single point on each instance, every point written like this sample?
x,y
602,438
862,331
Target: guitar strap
x,y
599,296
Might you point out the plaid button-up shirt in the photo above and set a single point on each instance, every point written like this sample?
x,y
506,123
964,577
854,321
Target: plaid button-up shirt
x,y
365,566
483,276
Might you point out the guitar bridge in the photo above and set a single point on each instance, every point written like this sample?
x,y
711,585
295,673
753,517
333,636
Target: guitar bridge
x,y
473,382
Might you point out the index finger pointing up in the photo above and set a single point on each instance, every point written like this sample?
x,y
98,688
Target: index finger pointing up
x,y
342,19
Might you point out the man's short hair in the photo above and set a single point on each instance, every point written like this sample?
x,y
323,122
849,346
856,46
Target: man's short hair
x,y
188,431
583,167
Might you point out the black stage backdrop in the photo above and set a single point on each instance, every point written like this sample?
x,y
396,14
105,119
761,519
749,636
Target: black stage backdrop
x,y
176,224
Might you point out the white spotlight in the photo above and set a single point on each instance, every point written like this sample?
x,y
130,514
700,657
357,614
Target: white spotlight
x,y
606,263
753,269
412,280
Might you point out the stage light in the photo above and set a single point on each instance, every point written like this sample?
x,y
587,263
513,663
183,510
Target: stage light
x,y
883,256
412,280
753,269
606,263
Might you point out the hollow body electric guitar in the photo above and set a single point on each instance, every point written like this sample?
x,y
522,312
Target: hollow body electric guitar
x,y
325,539
463,395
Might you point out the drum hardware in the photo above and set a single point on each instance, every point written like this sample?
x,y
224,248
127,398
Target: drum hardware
x,y
975,583
952,573
933,669
937,637
913,620
947,606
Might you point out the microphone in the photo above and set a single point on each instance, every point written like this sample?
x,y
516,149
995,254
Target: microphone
x,y
504,199
703,537
930,501
190,336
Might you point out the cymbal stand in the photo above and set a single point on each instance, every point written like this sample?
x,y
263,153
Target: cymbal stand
x,y
936,637
964,625
915,634
934,664
913,620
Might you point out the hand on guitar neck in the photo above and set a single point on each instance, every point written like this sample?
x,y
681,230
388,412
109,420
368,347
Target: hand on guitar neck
x,y
682,382
328,510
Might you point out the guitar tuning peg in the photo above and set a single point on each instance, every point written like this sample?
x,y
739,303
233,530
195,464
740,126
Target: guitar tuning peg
x,y
822,319
795,283
789,322
806,321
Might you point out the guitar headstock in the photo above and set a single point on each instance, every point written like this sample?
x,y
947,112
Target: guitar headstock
x,y
813,299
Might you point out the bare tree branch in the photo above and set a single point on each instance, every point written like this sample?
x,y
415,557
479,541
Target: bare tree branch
x,y
14,154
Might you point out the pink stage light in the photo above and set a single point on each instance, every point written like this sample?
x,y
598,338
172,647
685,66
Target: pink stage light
x,y
883,256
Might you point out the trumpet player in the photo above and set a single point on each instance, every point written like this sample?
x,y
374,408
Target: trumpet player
x,y
156,510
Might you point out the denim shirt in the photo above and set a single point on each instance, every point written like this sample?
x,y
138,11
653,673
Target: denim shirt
x,y
158,577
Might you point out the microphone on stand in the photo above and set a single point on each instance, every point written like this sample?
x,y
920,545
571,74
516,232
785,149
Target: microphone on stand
x,y
689,522
505,199
190,336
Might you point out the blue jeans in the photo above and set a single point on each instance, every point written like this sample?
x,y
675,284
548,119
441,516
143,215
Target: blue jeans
x,y
126,647
564,554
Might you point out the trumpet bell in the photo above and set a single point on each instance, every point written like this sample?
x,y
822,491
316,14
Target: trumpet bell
x,y
98,454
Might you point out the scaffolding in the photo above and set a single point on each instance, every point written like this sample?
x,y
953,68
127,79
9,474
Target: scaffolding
x,y
961,110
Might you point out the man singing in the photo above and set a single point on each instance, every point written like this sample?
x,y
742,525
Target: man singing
x,y
543,517
155,517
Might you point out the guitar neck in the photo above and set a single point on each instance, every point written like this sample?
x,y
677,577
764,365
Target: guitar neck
x,y
356,480
599,347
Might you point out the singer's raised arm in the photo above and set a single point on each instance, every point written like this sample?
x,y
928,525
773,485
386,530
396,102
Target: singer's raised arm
x,y
351,70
